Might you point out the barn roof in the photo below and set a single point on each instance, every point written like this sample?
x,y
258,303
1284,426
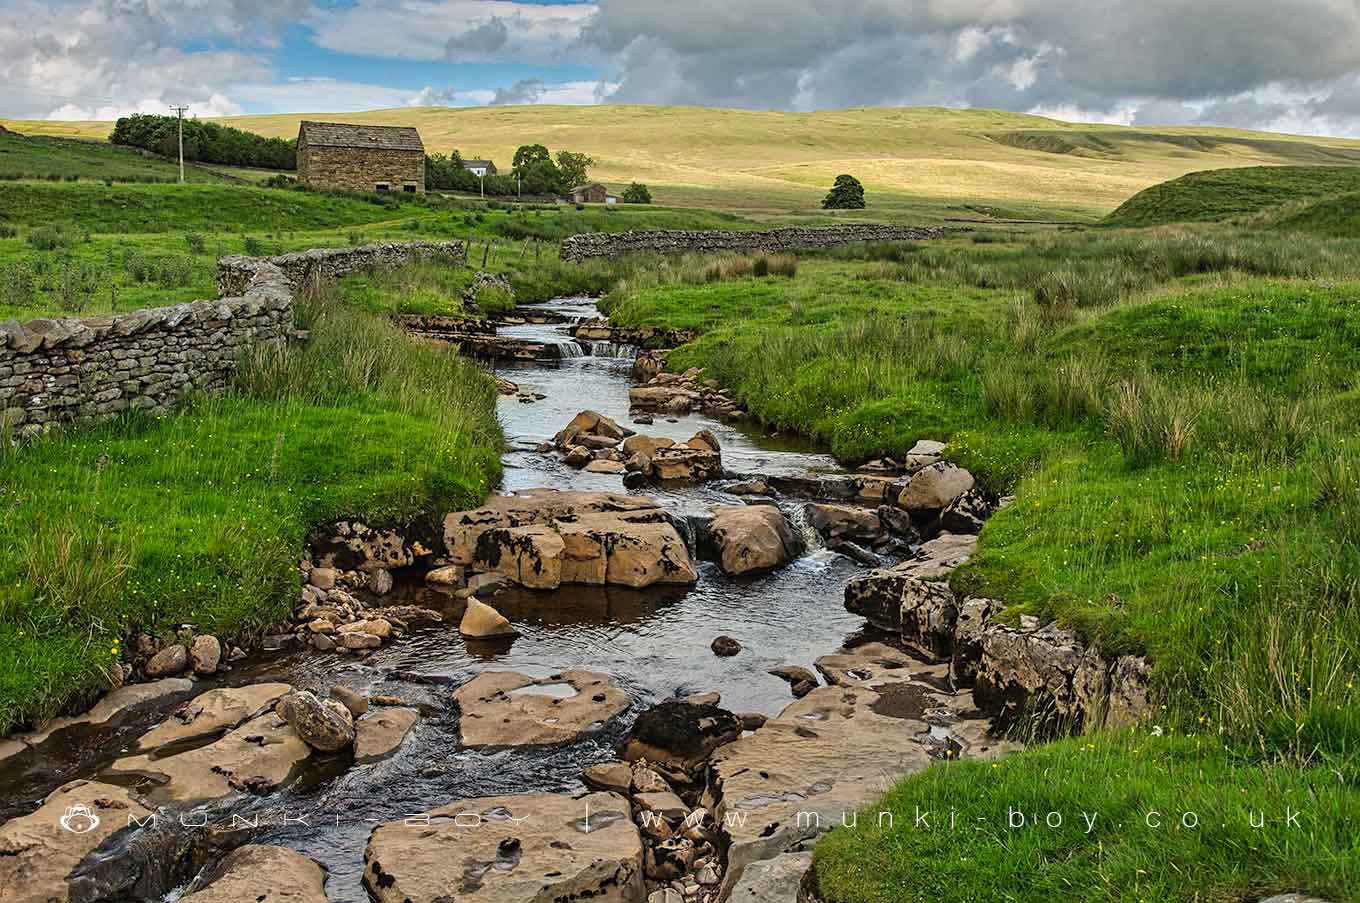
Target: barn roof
x,y
339,134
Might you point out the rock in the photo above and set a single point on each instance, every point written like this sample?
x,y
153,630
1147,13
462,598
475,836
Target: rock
x,y
380,733
752,721
854,552
577,456
711,698
793,674
1048,675
937,559
844,522
40,850
116,707
669,859
449,575
725,646
605,466
380,582
614,777
257,757
211,713
752,539
663,803
921,612
681,462
600,425
324,726
749,487
665,895
677,735
322,643
323,578
645,445
171,660
935,487
377,627
774,880
1128,702
968,631
635,479
927,448
704,439
897,522
205,653
503,708
261,873
551,537
509,849
966,514
356,702
481,621
358,640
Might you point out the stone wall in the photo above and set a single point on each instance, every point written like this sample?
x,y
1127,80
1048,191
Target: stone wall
x,y
361,169
794,238
82,371
234,273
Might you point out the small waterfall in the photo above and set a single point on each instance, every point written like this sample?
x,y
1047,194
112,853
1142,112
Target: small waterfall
x,y
611,350
568,348
798,520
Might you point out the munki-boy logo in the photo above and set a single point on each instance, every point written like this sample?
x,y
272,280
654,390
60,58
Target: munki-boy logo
x,y
79,819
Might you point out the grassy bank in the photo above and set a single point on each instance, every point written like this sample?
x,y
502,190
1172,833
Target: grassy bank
x,y
1224,194
1176,414
200,518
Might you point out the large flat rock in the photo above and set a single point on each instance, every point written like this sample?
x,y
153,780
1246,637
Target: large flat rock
x,y
505,708
381,732
211,713
116,706
462,529
530,848
264,874
259,756
38,851
835,751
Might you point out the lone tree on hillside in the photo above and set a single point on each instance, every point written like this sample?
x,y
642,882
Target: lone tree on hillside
x,y
846,194
575,168
637,193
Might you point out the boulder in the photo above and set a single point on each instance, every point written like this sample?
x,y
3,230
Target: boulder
x,y
749,487
844,522
606,466
39,851
613,777
752,539
257,757
116,707
356,702
631,549
966,514
205,653
481,621
261,873
449,575
776,880
704,439
171,660
921,612
1046,674
598,424
679,735
968,632
681,462
380,582
935,487
355,546
323,578
897,522
793,674
504,708
725,646
325,726
211,713
938,558
645,445
380,733
531,556
529,848
577,456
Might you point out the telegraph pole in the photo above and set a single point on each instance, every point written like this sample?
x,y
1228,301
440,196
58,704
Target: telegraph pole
x,y
181,111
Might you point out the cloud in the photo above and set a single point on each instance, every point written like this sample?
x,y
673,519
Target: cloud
x,y
488,37
536,91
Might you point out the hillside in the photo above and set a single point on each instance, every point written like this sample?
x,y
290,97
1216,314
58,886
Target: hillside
x,y
52,158
1227,193
919,163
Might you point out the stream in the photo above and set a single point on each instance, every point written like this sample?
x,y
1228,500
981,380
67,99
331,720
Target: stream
x,y
653,642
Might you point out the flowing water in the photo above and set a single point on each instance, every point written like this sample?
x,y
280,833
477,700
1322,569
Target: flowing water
x,y
654,642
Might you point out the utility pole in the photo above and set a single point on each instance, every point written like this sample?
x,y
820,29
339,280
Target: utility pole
x,y
180,111
481,184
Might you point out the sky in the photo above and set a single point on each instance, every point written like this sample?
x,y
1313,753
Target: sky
x,y
1282,65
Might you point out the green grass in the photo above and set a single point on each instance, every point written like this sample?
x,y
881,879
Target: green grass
x,y
1223,194
1121,804
200,518
1174,444
66,158
1338,216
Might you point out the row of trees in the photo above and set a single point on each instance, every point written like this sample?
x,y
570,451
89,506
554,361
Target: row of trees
x,y
204,142
535,172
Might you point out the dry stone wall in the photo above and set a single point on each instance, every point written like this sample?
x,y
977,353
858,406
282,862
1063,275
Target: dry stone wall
x,y
794,238
83,371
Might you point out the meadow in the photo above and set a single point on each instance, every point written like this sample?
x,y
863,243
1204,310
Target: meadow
x,y
917,164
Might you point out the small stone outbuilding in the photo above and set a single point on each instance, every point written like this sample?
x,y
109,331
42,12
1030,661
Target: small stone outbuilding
x,y
591,193
333,156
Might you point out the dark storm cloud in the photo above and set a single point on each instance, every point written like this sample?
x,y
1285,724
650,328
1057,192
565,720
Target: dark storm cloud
x,y
487,37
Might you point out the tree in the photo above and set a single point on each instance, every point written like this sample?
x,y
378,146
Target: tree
x,y
846,194
575,168
542,177
637,193
530,153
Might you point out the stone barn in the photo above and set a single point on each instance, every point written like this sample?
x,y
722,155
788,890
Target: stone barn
x,y
333,156
591,193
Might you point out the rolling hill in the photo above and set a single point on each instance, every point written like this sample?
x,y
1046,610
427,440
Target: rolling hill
x,y
916,163
1224,194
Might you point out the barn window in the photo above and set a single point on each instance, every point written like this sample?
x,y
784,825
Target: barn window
x,y
409,189
383,186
